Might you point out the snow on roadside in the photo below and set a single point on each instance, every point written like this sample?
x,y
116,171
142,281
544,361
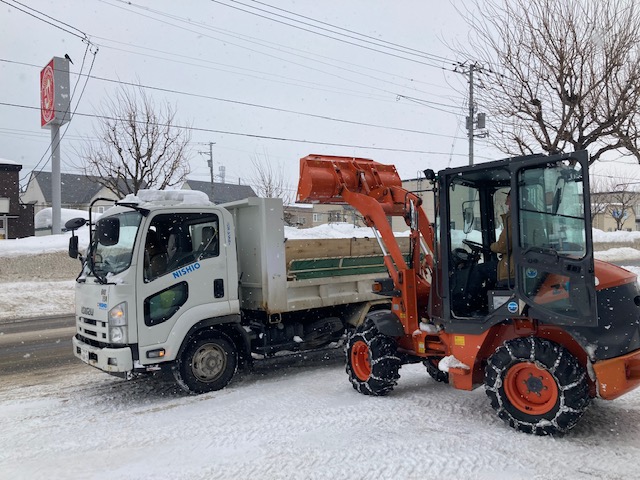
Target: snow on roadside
x,y
36,299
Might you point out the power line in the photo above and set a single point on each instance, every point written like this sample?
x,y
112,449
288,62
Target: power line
x,y
324,72
249,135
370,40
82,37
254,105
326,36
262,42
419,52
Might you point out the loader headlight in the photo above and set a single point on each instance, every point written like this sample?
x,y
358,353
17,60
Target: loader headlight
x,y
118,323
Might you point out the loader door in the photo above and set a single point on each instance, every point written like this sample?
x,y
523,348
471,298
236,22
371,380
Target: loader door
x,y
553,251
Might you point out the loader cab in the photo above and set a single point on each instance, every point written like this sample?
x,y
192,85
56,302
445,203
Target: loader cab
x,y
546,271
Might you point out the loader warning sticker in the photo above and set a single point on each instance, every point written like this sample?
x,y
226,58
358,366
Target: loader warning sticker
x,y
512,307
458,340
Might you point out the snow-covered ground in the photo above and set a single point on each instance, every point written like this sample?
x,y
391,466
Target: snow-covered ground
x,y
293,423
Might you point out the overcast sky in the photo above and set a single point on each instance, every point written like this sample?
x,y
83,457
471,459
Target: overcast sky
x,y
254,79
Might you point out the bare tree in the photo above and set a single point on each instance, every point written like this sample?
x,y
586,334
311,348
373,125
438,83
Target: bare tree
x,y
139,145
269,179
599,201
560,75
615,196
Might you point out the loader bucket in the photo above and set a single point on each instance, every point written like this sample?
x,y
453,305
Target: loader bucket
x,y
322,177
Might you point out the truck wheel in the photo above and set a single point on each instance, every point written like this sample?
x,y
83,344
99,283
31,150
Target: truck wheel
x,y
537,386
207,364
432,369
372,361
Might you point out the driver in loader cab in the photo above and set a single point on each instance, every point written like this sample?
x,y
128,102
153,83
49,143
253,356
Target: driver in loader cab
x,y
503,247
492,274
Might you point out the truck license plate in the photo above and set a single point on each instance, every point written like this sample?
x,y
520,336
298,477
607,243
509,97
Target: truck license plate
x,y
84,355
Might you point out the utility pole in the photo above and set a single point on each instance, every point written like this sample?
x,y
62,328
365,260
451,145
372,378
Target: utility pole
x,y
210,163
471,116
472,120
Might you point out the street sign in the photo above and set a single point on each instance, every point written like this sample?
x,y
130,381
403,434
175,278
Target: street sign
x,y
55,94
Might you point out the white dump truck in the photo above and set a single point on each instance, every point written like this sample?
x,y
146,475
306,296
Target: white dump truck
x,y
172,281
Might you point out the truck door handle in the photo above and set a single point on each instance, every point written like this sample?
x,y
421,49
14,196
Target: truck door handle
x,y
218,288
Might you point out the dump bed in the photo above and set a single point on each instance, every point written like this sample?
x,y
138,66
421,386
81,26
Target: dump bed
x,y
280,275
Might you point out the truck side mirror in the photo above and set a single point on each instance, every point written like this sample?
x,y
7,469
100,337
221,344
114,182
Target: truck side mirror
x,y
73,246
73,225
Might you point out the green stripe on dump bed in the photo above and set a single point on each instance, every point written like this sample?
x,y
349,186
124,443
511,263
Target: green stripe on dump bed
x,y
335,267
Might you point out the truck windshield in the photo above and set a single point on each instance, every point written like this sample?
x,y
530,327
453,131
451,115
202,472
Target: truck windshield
x,y
112,243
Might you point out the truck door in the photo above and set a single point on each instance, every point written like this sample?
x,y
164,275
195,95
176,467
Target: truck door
x,y
184,266
552,250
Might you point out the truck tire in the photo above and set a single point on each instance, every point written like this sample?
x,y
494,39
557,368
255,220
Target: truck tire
x,y
537,386
372,360
207,364
438,375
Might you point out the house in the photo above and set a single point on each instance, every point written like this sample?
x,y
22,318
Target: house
x,y
612,208
16,219
78,191
222,192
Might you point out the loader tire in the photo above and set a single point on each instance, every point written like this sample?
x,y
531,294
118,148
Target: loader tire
x,y
207,364
372,360
536,386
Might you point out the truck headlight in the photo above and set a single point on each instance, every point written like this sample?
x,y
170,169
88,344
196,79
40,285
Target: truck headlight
x,y
117,334
118,323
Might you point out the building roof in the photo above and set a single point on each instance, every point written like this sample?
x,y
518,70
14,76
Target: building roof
x,y
77,189
9,165
222,192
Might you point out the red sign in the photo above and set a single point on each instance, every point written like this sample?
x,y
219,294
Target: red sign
x,y
47,94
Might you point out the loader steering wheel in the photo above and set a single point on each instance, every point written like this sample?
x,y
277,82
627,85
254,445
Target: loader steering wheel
x,y
476,247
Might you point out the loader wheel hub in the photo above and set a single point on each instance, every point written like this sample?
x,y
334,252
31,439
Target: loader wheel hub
x,y
531,389
361,360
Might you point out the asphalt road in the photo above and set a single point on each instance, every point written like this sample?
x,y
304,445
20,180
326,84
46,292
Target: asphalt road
x,y
36,344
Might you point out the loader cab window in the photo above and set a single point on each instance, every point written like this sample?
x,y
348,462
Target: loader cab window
x,y
553,226
179,239
552,211
465,233
464,215
477,209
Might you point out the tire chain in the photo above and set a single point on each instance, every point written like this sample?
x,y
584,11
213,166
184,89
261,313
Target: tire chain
x,y
384,362
564,366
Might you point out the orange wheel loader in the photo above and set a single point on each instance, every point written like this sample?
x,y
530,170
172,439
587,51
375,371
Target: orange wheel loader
x,y
558,331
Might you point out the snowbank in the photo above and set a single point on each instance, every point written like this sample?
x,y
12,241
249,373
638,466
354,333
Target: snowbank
x,y
42,219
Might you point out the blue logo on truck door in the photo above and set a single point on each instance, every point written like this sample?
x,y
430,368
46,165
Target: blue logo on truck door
x,y
186,270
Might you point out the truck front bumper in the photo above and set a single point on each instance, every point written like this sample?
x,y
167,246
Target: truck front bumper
x,y
111,360
617,376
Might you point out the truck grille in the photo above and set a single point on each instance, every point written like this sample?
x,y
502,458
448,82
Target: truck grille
x,y
92,329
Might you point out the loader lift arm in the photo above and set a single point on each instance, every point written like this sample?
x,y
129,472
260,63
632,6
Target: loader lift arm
x,y
375,190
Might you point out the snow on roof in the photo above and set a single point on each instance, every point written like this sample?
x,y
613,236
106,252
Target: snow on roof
x,y
4,161
168,197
